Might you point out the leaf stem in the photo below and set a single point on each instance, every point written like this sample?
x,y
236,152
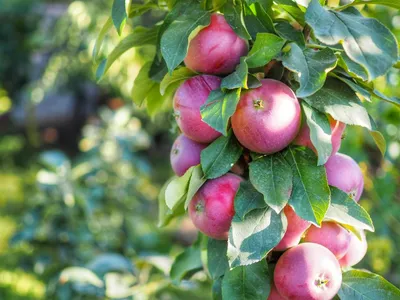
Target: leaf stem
x,y
316,46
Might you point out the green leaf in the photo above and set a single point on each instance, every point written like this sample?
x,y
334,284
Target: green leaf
x,y
366,41
139,37
311,66
119,15
311,194
272,176
111,262
378,137
249,282
292,9
217,259
288,32
338,100
100,38
266,47
237,79
177,77
392,100
234,16
218,109
362,285
175,40
247,199
355,87
217,289
353,68
389,3
176,191
155,102
252,238
219,157
165,215
142,85
80,275
257,20
345,210
320,132
139,9
186,264
196,182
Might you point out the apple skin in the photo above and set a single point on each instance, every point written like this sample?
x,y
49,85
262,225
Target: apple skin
x,y
267,118
295,230
185,153
308,272
345,174
356,252
212,207
332,236
189,97
337,129
216,49
274,295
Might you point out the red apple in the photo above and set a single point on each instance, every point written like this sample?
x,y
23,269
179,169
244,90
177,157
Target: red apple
x,y
356,252
274,295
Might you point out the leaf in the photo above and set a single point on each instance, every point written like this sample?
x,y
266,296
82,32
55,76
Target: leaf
x,y
142,85
100,38
217,289
257,20
320,132
238,79
288,32
196,182
366,41
247,199
217,259
311,194
362,285
119,15
252,238
186,264
390,3
355,87
292,9
139,37
311,66
338,100
346,211
80,275
353,68
378,137
177,77
218,109
234,16
165,215
139,9
266,47
176,191
176,38
219,157
111,262
249,282
392,100
272,176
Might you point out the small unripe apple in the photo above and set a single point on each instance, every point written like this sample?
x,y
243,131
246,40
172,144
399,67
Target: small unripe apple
x,y
332,236
295,229
212,207
345,174
337,129
216,49
185,153
267,118
356,252
189,97
308,271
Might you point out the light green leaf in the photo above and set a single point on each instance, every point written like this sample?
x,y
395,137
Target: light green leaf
x,y
389,3
346,211
378,137
142,85
165,215
219,157
119,15
311,66
311,194
100,38
186,264
266,47
196,182
176,77
80,275
176,191
292,9
247,199
217,259
238,79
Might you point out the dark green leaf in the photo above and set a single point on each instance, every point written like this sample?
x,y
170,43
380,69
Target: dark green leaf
x,y
311,194
266,47
217,259
320,132
219,157
177,77
247,199
119,15
392,100
311,66
356,87
252,238
186,264
346,211
353,68
218,109
366,41
272,176
237,79
257,20
233,14
362,285
288,32
217,289
247,282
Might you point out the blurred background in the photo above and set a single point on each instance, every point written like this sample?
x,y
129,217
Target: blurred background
x,y
81,166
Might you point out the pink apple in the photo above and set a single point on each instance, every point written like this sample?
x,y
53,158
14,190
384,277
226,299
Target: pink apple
x,y
267,118
308,272
295,229
216,49
332,236
345,174
356,252
212,207
185,153
189,97
274,295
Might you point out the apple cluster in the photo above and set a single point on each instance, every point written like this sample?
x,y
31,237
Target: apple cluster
x,y
267,120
